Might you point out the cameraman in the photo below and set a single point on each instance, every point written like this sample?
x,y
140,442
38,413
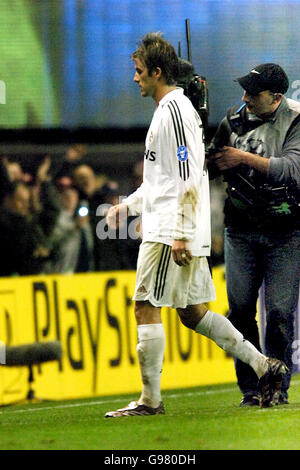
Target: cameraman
x,y
257,149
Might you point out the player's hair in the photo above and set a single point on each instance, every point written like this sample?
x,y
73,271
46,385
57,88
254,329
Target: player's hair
x,y
155,51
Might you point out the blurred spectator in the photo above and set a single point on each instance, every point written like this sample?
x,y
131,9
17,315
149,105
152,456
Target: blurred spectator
x,y
75,152
74,156
15,171
72,236
111,253
89,184
27,218
21,251
18,200
112,250
41,230
5,181
45,204
85,181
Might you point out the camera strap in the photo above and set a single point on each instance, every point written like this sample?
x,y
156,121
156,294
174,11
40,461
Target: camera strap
x,y
239,121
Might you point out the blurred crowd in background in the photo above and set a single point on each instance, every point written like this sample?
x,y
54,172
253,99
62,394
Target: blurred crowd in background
x,y
49,216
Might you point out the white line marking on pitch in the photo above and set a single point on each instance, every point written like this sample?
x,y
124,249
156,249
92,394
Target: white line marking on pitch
x,y
120,400
117,400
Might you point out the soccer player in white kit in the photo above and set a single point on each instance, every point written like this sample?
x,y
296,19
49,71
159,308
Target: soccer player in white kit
x,y
172,267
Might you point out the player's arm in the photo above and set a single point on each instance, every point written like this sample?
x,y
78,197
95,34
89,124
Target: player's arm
x,y
132,205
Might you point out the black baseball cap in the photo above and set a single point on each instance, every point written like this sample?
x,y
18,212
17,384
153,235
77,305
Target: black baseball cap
x,y
265,77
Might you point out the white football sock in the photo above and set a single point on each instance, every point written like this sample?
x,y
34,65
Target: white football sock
x,y
221,330
150,349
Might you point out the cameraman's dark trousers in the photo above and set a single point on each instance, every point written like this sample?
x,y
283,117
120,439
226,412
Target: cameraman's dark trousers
x,y
253,257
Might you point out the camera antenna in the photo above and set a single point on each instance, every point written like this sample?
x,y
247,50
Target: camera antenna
x,y
179,49
188,39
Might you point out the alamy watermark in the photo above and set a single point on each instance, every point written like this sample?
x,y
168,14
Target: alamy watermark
x,y
118,228
296,352
2,353
116,225
296,87
2,92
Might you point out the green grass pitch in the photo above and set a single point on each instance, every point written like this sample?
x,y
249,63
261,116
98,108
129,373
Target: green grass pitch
x,y
202,418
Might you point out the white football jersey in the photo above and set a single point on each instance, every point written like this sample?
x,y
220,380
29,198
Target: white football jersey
x,y
174,196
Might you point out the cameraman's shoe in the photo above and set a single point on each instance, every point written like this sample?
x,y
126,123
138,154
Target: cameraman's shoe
x,y
250,399
281,399
270,383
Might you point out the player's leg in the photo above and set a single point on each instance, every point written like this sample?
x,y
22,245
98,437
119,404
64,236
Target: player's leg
x,y
220,329
152,272
150,350
224,334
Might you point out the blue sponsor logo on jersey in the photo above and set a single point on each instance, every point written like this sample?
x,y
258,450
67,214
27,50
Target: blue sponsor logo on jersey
x,y
182,153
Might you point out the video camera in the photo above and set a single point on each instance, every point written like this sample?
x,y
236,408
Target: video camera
x,y
263,199
194,85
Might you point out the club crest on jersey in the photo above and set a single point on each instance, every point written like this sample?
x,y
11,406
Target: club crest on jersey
x,y
151,137
182,153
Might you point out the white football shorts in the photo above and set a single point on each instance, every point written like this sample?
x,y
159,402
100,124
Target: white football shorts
x,y
163,283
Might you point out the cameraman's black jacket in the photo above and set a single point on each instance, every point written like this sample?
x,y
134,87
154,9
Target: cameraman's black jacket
x,y
257,201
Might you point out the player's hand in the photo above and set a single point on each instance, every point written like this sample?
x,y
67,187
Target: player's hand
x,y
181,254
117,215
